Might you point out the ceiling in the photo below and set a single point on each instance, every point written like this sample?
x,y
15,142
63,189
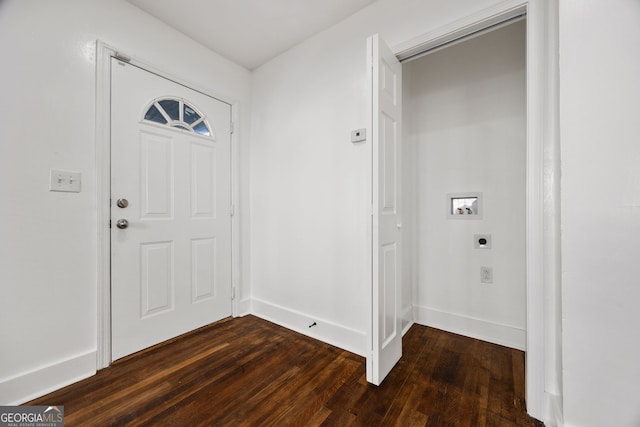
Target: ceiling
x,y
250,32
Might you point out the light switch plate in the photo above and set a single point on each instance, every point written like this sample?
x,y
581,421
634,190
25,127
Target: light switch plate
x,y
67,181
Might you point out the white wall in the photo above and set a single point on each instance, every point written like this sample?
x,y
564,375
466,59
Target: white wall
x,y
465,120
600,128
308,100
310,187
48,249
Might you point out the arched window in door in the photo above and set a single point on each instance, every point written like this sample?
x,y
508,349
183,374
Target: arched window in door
x,y
178,114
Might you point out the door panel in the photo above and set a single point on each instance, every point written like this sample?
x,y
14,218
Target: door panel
x,y
156,281
387,292
203,183
171,267
156,175
203,262
386,259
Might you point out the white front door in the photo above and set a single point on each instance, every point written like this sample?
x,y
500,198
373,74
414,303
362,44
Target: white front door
x,y
171,183
386,330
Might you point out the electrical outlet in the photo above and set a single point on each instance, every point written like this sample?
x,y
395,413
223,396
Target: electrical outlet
x,y
486,275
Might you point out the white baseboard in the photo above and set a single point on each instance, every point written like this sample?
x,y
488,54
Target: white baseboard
x,y
244,307
38,382
407,319
554,410
496,333
324,330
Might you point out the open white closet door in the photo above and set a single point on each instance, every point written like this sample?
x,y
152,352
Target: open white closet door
x,y
386,330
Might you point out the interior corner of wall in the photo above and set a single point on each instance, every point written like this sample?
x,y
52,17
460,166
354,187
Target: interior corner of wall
x,y
324,330
244,307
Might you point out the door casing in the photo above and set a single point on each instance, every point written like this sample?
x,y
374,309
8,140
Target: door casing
x,y
103,190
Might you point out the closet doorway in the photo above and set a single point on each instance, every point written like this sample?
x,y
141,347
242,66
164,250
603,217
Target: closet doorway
x,y
465,143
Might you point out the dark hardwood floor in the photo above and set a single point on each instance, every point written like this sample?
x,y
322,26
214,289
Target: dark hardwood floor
x,y
249,372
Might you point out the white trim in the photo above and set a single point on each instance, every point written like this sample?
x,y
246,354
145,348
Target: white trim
x,y
243,307
103,195
479,21
373,86
552,238
496,333
236,279
556,417
204,139
103,190
329,332
370,239
535,221
38,382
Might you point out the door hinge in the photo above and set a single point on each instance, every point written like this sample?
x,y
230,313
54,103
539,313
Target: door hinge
x,y
232,211
233,292
109,223
233,126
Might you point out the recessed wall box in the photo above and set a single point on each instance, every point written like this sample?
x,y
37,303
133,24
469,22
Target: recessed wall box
x,y
482,241
464,205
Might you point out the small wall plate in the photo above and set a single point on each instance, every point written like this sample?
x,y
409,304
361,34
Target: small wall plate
x,y
464,205
358,135
66,181
482,241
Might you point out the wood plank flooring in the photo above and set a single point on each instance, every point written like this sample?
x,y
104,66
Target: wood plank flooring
x,y
249,372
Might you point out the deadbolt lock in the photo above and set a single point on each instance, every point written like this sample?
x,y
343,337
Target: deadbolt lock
x,y
122,203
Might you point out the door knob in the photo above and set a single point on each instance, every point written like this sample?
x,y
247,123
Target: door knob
x,y
122,224
122,203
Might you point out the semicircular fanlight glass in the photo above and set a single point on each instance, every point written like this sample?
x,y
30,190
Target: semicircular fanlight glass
x,y
177,114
